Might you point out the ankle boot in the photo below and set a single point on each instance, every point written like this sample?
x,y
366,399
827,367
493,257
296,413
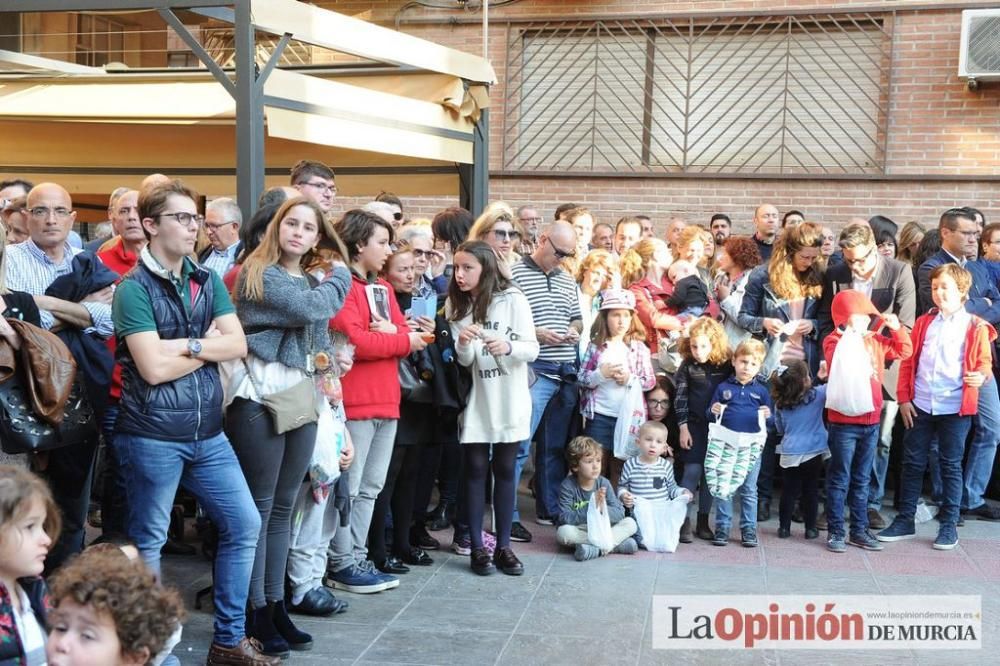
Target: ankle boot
x,y
260,625
296,638
702,530
685,536
439,518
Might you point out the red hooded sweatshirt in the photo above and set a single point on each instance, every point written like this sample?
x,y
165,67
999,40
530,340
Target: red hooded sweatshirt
x,y
978,358
880,348
371,388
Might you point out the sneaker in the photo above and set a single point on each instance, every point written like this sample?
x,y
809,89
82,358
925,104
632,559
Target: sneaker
x,y
748,537
835,543
865,540
898,530
947,537
355,579
462,544
721,538
585,551
388,580
544,520
519,533
627,547
812,533
984,512
489,542
875,520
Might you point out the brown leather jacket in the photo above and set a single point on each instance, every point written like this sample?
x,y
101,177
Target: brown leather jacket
x,y
49,369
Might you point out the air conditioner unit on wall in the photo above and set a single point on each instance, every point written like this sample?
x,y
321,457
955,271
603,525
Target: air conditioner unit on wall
x,y
979,59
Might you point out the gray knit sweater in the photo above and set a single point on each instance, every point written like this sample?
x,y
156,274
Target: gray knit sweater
x,y
278,327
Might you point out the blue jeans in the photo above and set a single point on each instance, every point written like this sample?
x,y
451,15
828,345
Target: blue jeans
x,y
602,429
114,508
880,461
209,470
950,431
848,475
747,494
556,400
983,448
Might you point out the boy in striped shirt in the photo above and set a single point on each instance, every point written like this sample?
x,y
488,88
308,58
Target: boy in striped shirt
x,y
649,475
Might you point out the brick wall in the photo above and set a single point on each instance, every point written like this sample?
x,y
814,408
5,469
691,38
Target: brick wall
x,y
943,138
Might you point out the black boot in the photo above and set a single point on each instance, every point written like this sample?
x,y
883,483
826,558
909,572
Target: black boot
x,y
440,517
702,530
297,640
260,625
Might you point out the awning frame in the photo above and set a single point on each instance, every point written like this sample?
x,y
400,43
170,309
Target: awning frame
x,y
247,84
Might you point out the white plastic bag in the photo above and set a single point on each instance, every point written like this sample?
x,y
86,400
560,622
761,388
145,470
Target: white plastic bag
x,y
660,522
324,468
599,526
631,416
849,389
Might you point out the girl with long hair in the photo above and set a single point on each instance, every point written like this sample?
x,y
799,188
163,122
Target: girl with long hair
x,y
284,311
495,338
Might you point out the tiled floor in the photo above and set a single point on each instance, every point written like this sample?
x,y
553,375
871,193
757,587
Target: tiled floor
x,y
598,612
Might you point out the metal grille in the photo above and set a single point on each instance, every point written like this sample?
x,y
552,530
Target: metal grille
x,y
779,94
984,45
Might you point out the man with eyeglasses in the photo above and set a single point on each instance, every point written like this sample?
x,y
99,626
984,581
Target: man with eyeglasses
x,y
959,240
530,221
223,219
18,188
555,307
175,323
316,181
889,285
33,266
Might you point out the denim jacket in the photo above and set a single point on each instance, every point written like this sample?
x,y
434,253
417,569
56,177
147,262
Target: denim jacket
x,y
760,303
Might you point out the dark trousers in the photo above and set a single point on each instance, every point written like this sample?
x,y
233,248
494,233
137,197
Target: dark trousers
x,y
69,473
274,466
802,483
397,495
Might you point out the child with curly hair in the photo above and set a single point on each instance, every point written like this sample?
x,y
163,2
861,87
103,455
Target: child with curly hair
x,y
107,609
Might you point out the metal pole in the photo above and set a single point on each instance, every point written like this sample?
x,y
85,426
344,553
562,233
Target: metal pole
x,y
249,113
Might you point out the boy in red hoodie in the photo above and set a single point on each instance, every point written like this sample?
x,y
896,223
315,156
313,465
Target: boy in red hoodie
x,y
852,350
938,392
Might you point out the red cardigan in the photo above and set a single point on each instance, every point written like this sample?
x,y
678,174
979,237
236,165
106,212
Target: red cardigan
x,y
371,388
881,349
978,358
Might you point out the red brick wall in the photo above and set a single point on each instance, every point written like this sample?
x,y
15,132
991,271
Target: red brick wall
x,y
945,138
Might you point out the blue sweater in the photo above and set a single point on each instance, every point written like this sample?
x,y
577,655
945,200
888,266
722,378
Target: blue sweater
x,y
802,425
742,402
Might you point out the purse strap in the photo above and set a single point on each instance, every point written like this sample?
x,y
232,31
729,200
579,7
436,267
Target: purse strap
x,y
309,371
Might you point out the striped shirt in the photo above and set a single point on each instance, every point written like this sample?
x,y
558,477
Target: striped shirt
x,y
554,305
30,270
651,482
221,262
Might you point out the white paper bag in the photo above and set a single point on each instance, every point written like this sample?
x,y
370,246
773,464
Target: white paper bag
x,y
660,522
599,526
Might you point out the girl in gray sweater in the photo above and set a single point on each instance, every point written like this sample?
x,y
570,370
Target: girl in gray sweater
x,y
284,312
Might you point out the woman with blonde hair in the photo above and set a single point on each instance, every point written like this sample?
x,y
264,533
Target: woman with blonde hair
x,y
499,228
644,272
909,240
284,311
597,271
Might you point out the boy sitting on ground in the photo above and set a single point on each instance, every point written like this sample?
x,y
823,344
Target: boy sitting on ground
x,y
584,457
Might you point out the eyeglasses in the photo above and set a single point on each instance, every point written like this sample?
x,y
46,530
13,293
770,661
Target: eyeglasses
x,y
185,219
42,213
423,253
531,219
323,187
396,216
561,254
506,234
657,403
216,227
860,260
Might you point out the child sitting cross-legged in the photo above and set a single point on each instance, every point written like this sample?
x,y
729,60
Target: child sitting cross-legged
x,y
584,457
649,475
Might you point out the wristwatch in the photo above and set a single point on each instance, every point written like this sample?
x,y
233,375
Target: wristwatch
x,y
194,347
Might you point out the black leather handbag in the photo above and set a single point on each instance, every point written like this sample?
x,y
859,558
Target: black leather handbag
x,y
22,431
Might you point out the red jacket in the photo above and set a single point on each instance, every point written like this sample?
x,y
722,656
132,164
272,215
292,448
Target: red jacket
x,y
371,388
121,261
881,349
978,358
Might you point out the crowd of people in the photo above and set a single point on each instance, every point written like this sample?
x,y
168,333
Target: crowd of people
x,y
311,380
